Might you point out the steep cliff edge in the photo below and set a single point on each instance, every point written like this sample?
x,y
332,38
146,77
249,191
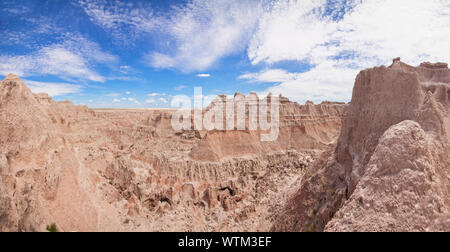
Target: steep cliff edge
x,y
390,168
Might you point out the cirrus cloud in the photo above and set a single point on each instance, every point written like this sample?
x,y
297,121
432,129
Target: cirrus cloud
x,y
126,21
71,59
206,31
51,88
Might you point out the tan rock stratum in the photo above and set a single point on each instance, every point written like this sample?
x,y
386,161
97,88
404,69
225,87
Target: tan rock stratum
x,y
390,170
128,170
378,164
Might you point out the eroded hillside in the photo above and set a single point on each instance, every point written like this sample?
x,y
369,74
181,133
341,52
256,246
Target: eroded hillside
x,y
378,164
128,170
390,168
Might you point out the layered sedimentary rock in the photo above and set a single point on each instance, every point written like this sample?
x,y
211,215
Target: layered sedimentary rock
x,y
128,170
390,168
301,127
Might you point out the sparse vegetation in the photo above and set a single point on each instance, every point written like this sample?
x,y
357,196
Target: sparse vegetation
x,y
52,228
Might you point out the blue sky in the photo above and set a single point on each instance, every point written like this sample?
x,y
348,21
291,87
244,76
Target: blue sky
x,y
141,53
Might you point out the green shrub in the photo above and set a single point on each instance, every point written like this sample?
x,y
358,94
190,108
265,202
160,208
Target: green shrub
x,y
52,228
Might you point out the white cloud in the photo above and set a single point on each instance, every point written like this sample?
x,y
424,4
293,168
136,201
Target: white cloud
x,y
131,99
128,92
180,87
90,50
17,10
116,100
350,33
156,94
159,60
324,82
51,88
152,100
370,33
203,75
333,37
72,58
60,61
125,21
205,31
113,95
287,31
270,75
34,32
198,33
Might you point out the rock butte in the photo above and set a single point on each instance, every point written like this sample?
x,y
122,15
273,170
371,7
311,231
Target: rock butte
x,y
378,164
390,168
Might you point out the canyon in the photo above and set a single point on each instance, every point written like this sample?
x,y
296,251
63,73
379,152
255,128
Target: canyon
x,y
379,163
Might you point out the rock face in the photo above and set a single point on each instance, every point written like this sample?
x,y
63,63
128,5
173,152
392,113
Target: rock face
x,y
404,187
390,168
39,169
378,164
301,127
128,170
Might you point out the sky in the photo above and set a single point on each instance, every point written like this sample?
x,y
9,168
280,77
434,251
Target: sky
x,y
136,54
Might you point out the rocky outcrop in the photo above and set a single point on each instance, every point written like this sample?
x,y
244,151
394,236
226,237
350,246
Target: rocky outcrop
x,y
389,170
39,182
128,170
301,127
404,187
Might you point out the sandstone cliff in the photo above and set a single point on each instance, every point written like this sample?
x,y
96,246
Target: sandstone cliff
x,y
390,168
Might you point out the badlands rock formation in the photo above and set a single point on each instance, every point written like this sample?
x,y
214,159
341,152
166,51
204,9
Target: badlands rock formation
x,y
301,127
378,164
390,168
128,170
